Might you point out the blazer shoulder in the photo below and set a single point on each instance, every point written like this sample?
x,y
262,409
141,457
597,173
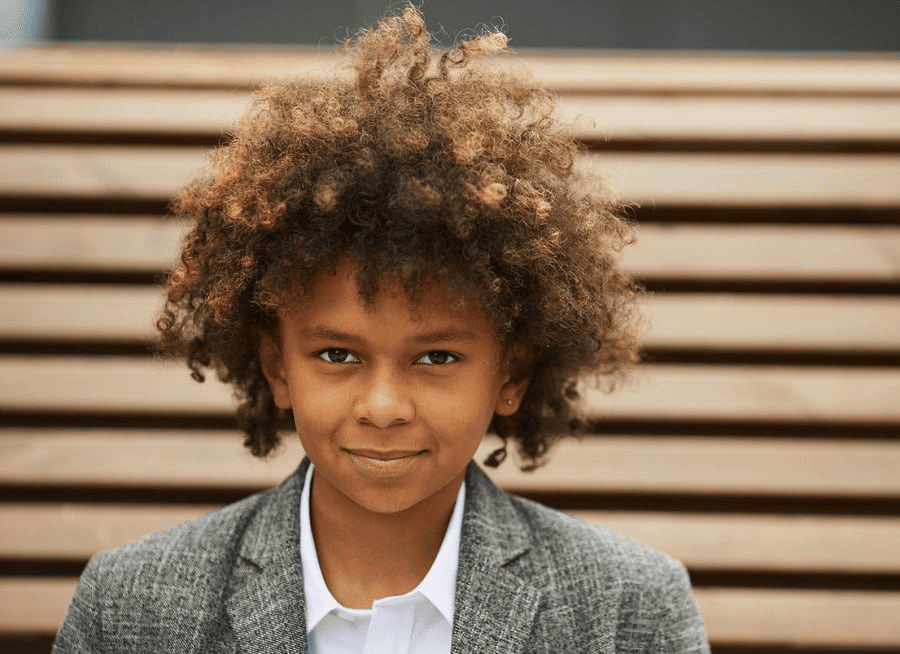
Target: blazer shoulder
x,y
573,544
168,590
190,550
612,585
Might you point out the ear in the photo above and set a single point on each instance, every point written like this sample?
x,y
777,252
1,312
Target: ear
x,y
518,367
511,394
272,365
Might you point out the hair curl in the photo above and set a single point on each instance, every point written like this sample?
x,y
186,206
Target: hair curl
x,y
430,167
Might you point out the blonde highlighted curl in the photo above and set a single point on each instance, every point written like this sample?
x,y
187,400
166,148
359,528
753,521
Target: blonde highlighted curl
x,y
432,167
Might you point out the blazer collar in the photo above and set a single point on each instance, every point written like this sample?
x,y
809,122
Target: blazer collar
x,y
495,603
265,600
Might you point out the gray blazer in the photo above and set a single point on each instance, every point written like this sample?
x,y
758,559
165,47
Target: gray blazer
x,y
530,579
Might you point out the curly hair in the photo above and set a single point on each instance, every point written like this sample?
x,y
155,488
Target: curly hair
x,y
430,167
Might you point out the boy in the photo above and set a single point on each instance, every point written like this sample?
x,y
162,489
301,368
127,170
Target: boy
x,y
398,265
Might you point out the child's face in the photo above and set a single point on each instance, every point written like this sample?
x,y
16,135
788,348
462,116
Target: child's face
x,y
390,400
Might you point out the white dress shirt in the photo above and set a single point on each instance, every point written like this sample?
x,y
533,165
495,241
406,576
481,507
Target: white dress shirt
x,y
421,621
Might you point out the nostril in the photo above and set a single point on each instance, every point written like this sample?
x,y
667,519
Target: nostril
x,y
385,403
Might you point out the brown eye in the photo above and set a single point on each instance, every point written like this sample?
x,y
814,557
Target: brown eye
x,y
337,355
437,358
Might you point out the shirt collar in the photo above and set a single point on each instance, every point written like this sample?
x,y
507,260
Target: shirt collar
x,y
438,586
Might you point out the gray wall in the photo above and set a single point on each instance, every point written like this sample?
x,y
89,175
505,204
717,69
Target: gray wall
x,y
825,25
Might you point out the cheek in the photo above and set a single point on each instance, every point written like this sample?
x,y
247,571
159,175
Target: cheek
x,y
468,407
317,406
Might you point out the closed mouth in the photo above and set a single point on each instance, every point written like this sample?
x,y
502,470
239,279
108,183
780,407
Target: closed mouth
x,y
384,456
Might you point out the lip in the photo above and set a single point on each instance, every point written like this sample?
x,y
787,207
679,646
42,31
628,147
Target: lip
x,y
385,463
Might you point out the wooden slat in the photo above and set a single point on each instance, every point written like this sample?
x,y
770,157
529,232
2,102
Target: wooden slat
x,y
717,118
661,72
174,67
657,392
751,180
818,544
140,244
183,460
755,467
780,393
746,180
641,118
775,322
739,616
718,73
51,531
102,384
34,605
723,542
814,618
38,312
684,465
120,110
97,172
766,252
734,252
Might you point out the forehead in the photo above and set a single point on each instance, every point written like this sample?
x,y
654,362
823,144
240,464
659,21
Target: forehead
x,y
335,296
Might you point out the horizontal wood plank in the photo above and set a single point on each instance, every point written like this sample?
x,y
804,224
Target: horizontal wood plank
x,y
747,543
750,180
732,252
32,313
132,244
35,312
750,393
34,605
695,465
707,119
766,252
796,618
52,531
732,616
123,385
88,172
635,118
113,111
709,180
773,322
661,72
190,462
764,543
160,66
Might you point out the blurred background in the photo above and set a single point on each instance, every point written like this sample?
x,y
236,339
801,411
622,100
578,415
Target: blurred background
x,y
785,25
758,144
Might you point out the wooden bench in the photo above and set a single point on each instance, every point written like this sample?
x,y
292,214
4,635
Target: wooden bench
x,y
759,443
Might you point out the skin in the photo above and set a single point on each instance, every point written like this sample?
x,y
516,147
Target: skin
x,y
390,400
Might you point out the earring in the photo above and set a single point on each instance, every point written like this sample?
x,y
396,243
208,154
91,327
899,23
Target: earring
x,y
509,402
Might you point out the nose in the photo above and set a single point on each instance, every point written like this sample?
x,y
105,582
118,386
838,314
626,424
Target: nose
x,y
385,400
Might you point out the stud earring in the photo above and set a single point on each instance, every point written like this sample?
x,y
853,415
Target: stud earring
x,y
509,402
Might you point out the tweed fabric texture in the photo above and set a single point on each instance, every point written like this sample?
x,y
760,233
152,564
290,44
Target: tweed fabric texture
x,y
530,580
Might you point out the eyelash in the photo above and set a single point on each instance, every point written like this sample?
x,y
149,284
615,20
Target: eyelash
x,y
325,354
451,358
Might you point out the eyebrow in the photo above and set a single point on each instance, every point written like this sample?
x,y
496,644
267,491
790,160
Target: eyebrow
x,y
454,335
324,333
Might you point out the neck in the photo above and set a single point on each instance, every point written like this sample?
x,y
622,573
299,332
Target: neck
x,y
365,555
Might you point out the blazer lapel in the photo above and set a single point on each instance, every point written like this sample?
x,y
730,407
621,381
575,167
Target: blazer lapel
x,y
495,607
265,598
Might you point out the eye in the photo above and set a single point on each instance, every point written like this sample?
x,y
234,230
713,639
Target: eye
x,y
337,355
437,358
